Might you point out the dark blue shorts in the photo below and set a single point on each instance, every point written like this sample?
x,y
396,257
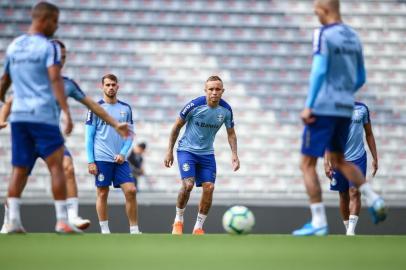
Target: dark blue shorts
x,y
66,153
326,133
340,183
111,172
32,140
201,167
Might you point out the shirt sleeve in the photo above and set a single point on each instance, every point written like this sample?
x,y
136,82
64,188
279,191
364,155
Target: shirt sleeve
x,y
75,91
7,65
185,112
91,118
229,120
366,119
319,42
53,54
89,141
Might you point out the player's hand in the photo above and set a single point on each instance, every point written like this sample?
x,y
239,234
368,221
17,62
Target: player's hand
x,y
3,125
307,116
328,170
374,167
168,159
235,161
92,168
119,159
124,130
68,123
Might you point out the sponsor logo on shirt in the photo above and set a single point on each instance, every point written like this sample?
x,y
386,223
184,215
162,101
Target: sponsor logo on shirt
x,y
206,125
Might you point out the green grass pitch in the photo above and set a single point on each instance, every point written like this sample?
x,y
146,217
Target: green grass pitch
x,y
208,252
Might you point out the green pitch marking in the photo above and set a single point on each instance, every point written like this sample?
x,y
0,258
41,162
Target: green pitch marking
x,y
208,252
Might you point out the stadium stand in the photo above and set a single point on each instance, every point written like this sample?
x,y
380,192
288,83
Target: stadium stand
x,y
162,51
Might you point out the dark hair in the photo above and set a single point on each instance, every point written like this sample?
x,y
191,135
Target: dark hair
x,y
60,43
142,145
43,9
214,78
111,77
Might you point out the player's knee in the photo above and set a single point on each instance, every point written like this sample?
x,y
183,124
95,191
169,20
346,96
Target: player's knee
x,y
68,170
188,186
208,188
130,193
354,193
102,193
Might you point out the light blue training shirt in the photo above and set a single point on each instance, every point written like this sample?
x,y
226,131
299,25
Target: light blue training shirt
x,y
27,60
202,124
103,142
354,148
337,72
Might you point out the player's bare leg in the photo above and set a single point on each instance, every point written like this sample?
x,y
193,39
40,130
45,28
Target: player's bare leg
x,y
72,200
354,209
350,171
204,206
54,163
344,207
318,224
101,208
16,186
131,207
183,198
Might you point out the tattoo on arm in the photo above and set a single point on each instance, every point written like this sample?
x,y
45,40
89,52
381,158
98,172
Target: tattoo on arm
x,y
175,133
232,140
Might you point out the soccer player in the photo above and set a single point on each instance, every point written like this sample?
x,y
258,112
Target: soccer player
x,y
71,90
337,73
106,155
350,198
32,64
203,117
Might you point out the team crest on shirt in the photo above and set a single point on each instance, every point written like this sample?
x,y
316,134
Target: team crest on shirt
x,y
123,114
185,167
220,118
101,177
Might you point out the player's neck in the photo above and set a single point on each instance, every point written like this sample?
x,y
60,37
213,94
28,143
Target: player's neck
x,y
212,104
336,18
110,100
35,30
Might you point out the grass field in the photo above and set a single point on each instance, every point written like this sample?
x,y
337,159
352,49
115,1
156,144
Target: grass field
x,y
209,252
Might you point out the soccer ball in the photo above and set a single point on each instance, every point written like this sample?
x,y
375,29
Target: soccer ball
x,y
238,220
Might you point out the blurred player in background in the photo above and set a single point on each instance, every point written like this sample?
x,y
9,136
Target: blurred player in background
x,y
204,116
106,155
350,198
71,90
32,64
136,161
337,73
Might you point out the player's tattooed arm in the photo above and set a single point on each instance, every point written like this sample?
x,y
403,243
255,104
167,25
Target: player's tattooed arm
x,y
5,83
172,139
232,140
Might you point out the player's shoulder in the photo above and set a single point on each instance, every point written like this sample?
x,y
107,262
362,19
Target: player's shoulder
x,y
225,105
361,105
101,101
122,103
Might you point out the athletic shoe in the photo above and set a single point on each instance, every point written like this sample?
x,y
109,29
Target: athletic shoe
x,y
15,226
177,228
350,234
80,223
4,229
64,227
308,230
378,211
198,231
